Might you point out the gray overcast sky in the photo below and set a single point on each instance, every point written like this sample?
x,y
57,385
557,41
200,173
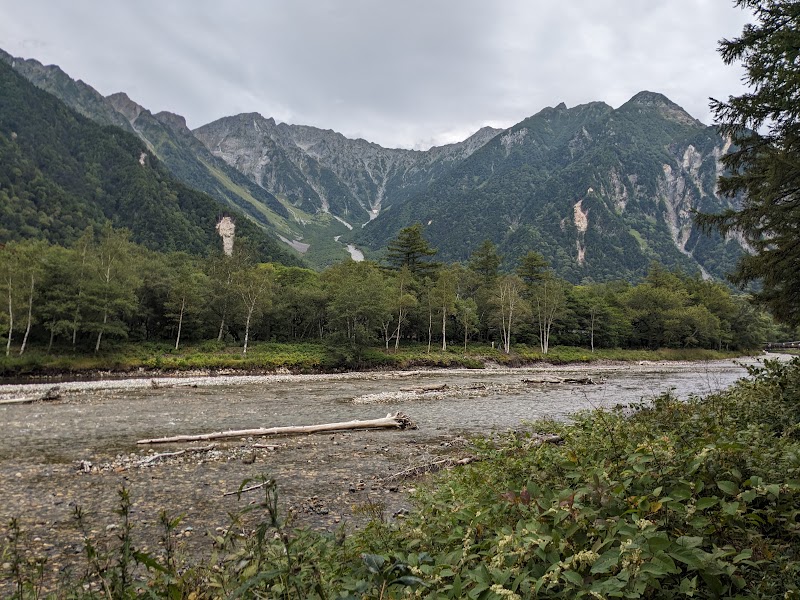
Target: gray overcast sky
x,y
409,73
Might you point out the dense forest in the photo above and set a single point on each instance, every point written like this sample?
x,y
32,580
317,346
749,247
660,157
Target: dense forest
x,y
103,287
61,172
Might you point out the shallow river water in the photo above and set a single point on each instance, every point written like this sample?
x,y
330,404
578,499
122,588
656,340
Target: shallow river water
x,y
109,416
80,449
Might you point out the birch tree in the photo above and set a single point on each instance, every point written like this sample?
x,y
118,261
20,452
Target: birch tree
x,y
8,270
31,256
548,302
255,289
114,286
445,295
509,303
185,293
403,301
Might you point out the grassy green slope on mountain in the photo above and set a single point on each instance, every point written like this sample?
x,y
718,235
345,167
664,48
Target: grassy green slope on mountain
x,y
62,172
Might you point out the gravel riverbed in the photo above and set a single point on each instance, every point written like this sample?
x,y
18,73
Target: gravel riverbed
x,y
80,449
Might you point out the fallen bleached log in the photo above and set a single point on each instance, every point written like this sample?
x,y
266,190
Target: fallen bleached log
x,y
19,400
397,421
557,380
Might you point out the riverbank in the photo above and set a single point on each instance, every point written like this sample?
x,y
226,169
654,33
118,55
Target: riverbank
x,y
623,489
211,358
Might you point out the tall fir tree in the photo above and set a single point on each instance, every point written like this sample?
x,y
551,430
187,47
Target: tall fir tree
x,y
764,167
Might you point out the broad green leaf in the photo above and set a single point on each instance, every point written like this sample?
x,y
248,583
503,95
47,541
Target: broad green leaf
x,y
708,502
607,561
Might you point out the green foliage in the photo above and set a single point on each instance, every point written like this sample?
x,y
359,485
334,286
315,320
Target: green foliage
x,y
60,172
411,250
104,289
521,191
763,169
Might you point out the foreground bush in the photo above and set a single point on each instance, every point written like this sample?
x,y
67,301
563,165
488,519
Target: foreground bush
x,y
663,500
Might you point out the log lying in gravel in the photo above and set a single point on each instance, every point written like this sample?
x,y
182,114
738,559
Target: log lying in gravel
x,y
54,393
427,390
390,421
578,380
147,460
18,401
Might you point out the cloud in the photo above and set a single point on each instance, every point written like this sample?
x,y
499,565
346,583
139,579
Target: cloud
x,y
407,74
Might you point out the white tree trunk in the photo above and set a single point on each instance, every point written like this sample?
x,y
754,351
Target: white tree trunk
x,y
444,329
397,331
100,333
250,310
10,316
180,323
430,329
221,328
30,318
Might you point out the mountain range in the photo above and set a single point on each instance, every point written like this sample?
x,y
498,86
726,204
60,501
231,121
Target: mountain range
x,y
600,192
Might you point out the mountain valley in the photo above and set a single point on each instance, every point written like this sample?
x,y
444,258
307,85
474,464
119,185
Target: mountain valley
x,y
600,192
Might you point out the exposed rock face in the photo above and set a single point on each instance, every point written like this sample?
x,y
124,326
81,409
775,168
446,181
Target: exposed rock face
x,y
173,121
601,191
321,170
125,106
226,229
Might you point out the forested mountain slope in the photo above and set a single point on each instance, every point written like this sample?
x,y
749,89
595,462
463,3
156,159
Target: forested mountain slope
x,y
599,192
61,172
166,136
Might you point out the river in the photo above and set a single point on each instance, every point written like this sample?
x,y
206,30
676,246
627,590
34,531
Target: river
x,y
321,477
109,416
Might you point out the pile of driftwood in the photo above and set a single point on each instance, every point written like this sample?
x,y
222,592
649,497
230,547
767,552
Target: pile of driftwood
x,y
390,421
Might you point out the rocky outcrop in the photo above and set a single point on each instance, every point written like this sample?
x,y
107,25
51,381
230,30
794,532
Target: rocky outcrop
x,y
125,106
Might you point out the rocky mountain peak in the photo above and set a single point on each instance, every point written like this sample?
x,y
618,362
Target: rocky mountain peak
x,y
125,106
664,106
173,121
645,98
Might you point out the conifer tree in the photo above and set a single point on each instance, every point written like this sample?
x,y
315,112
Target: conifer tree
x,y
764,167
410,249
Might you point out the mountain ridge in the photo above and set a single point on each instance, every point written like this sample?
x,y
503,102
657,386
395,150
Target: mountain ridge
x,y
561,181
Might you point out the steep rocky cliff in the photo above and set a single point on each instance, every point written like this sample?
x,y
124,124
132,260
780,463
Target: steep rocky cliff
x,y
321,170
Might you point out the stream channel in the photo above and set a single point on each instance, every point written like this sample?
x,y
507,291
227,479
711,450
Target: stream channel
x,y
80,449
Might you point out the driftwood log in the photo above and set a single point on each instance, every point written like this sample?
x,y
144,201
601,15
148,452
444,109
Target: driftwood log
x,y
426,390
558,380
148,460
54,393
390,421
